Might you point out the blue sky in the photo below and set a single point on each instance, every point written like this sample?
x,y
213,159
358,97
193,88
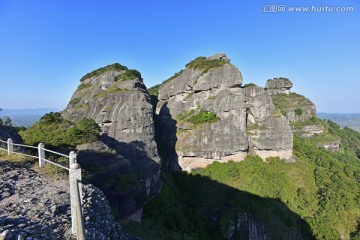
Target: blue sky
x,y
47,46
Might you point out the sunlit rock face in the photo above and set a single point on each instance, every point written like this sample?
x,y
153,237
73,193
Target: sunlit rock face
x,y
232,121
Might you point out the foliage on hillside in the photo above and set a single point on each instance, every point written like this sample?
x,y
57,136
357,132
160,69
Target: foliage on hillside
x,y
108,68
294,101
54,131
249,85
318,195
203,117
128,75
204,65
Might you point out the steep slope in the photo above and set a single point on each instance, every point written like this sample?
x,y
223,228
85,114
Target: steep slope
x,y
117,99
204,115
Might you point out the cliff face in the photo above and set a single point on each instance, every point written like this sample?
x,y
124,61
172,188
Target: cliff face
x,y
117,99
205,115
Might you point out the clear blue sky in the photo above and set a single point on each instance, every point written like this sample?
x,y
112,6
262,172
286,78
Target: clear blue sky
x,y
47,46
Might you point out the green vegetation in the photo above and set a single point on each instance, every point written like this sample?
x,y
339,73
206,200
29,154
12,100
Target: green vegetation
x,y
197,119
249,85
111,90
298,111
204,65
112,67
318,196
54,131
203,117
292,101
128,75
83,86
74,101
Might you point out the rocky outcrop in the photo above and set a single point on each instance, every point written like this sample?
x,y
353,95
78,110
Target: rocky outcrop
x,y
205,115
278,86
311,130
332,146
33,206
117,99
294,107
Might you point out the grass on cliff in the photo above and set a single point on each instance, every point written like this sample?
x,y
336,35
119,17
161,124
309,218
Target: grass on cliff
x,y
318,195
111,90
108,68
128,75
204,65
293,101
202,117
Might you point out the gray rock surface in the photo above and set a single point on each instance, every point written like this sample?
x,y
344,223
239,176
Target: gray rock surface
x,y
332,146
278,85
218,91
33,206
123,110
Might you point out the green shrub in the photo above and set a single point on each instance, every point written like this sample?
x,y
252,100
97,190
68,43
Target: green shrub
x,y
249,85
128,75
83,86
203,117
51,118
97,72
287,102
54,131
298,111
74,101
204,65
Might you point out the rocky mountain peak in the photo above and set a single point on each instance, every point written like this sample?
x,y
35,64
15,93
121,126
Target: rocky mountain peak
x,y
219,56
117,99
205,115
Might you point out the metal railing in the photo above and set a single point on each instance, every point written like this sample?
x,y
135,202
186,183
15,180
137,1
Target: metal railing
x,y
74,169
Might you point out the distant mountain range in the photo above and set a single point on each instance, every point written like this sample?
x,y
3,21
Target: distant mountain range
x,y
351,120
26,117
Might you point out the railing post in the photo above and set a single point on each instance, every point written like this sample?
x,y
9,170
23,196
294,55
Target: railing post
x,y
77,222
72,160
10,144
41,150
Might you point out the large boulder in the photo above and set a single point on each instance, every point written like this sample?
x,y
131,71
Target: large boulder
x,y
278,86
117,99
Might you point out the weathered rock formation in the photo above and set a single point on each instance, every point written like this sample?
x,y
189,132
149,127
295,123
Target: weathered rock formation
x,y
331,146
294,107
205,115
278,85
117,99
